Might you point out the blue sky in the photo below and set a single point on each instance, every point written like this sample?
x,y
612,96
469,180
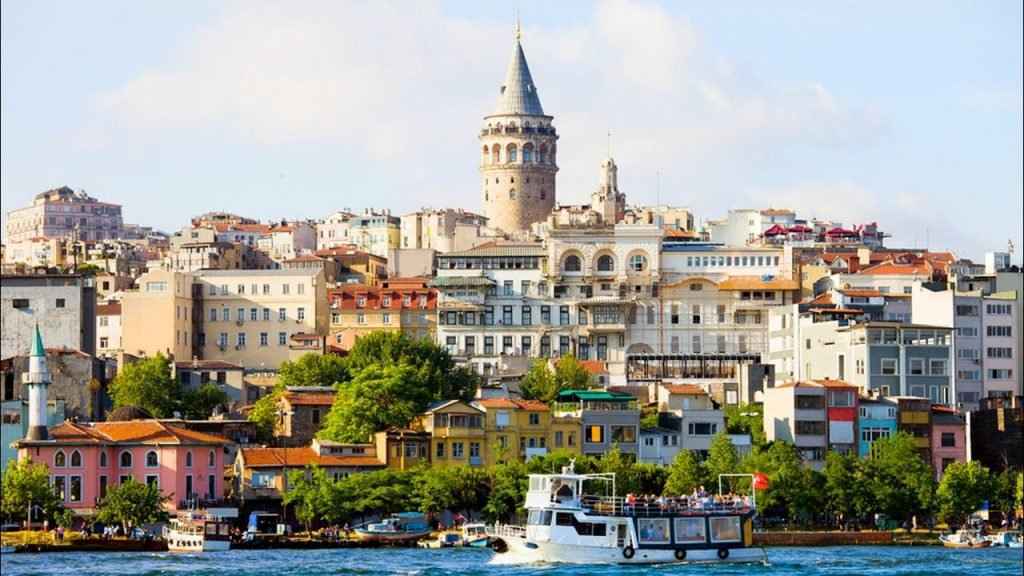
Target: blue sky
x,y
907,113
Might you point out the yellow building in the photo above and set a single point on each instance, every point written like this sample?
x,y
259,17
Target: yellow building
x,y
159,316
457,433
404,305
522,429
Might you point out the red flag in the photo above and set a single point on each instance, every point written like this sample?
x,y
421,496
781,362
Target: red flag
x,y
760,481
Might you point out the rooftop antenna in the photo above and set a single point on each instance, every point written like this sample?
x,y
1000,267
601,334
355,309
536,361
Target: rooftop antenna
x,y
519,28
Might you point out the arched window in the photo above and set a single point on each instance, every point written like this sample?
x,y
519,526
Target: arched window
x,y
60,459
543,154
605,263
486,153
495,154
213,459
510,154
638,262
126,459
527,153
572,263
103,458
151,459
188,459
543,194
76,459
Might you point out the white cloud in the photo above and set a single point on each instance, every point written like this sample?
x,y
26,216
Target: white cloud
x,y
406,82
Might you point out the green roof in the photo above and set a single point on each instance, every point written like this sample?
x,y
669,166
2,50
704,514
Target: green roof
x,y
595,395
458,281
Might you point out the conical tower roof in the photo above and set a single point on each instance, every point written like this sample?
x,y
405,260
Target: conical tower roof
x,y
518,93
37,344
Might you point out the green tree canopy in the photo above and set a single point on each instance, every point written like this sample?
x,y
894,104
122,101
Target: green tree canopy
x,y
964,486
148,384
311,492
132,504
379,397
27,483
846,495
313,370
685,474
198,404
542,383
902,483
746,419
722,458
437,370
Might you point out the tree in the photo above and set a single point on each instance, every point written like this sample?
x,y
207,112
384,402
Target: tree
x,y
313,370
147,384
964,486
132,504
508,484
377,398
1020,490
451,488
26,483
1004,496
542,383
436,369
198,404
685,474
722,458
902,483
746,419
264,412
309,491
845,496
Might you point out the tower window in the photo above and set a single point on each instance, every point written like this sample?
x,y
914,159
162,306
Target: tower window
x,y
543,194
511,153
512,193
527,153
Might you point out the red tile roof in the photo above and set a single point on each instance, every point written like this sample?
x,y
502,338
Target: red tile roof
x,y
300,458
132,432
860,293
891,268
310,398
685,389
594,367
110,309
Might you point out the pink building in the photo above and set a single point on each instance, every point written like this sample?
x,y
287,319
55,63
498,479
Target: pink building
x,y
86,459
949,439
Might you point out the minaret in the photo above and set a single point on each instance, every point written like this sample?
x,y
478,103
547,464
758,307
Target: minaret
x,y
37,380
517,158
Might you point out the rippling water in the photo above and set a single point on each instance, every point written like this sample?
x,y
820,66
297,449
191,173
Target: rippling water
x,y
859,560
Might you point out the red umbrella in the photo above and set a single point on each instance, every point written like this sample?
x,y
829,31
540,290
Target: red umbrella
x,y
760,481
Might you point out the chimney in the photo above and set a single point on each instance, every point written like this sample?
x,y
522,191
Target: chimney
x,y
37,380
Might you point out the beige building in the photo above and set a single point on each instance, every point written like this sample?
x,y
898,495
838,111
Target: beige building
x,y
108,329
444,230
374,231
157,316
249,316
64,213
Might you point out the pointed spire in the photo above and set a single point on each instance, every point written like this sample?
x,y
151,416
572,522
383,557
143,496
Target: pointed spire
x,y
518,93
37,344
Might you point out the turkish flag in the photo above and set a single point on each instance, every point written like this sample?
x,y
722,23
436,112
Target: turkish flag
x,y
760,481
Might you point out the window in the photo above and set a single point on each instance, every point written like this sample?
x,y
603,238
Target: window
x,y
572,263
563,345
526,345
545,346
301,313
211,459
506,345
103,458
999,352
126,459
76,459
507,288
282,314
563,315
527,315
812,428
152,480
60,487
545,314
489,345
605,263
240,340
282,338
624,434
889,367
188,459
916,366
702,428
594,434
695,314
20,303
60,459
103,487
458,450
638,263
506,315
314,416
937,367
1004,331
152,460
948,440
725,528
439,450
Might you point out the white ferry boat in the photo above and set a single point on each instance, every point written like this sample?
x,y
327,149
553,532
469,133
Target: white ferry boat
x,y
196,532
566,525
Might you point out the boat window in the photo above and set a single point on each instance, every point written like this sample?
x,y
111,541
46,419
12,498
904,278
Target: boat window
x,y
539,518
564,519
725,529
690,530
653,530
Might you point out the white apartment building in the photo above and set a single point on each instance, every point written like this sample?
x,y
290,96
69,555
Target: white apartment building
x,y
288,240
373,231
108,329
745,226
444,230
64,213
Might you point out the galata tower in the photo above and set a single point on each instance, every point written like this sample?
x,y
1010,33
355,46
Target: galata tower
x,y
517,160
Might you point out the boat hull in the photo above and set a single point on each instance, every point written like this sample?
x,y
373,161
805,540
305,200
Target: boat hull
x,y
391,537
190,543
522,551
953,544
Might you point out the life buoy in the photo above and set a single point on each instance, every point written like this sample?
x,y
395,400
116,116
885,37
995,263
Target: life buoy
x,y
723,553
628,552
680,554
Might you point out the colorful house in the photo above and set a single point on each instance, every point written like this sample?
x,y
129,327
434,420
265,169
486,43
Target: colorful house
x,y
457,433
949,439
86,460
608,419
915,418
525,428
403,448
877,421
841,413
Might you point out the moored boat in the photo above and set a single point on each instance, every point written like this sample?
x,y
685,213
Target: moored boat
x,y
406,527
964,539
475,535
567,525
1005,539
198,532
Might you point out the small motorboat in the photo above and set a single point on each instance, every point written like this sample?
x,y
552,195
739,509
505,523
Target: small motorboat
x,y
964,539
475,535
1005,540
444,540
198,532
405,527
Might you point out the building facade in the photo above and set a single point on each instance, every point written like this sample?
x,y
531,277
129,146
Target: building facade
x,y
64,213
63,306
406,305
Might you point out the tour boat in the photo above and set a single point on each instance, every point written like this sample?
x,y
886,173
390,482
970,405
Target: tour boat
x,y
406,527
1005,539
964,539
475,535
566,525
196,532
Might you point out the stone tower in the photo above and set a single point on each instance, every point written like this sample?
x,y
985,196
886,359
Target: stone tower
x,y
607,200
37,380
517,160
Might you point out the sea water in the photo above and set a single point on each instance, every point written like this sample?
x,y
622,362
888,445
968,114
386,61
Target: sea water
x,y
858,560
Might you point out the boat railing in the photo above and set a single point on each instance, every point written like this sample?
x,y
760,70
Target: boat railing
x,y
666,506
506,531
